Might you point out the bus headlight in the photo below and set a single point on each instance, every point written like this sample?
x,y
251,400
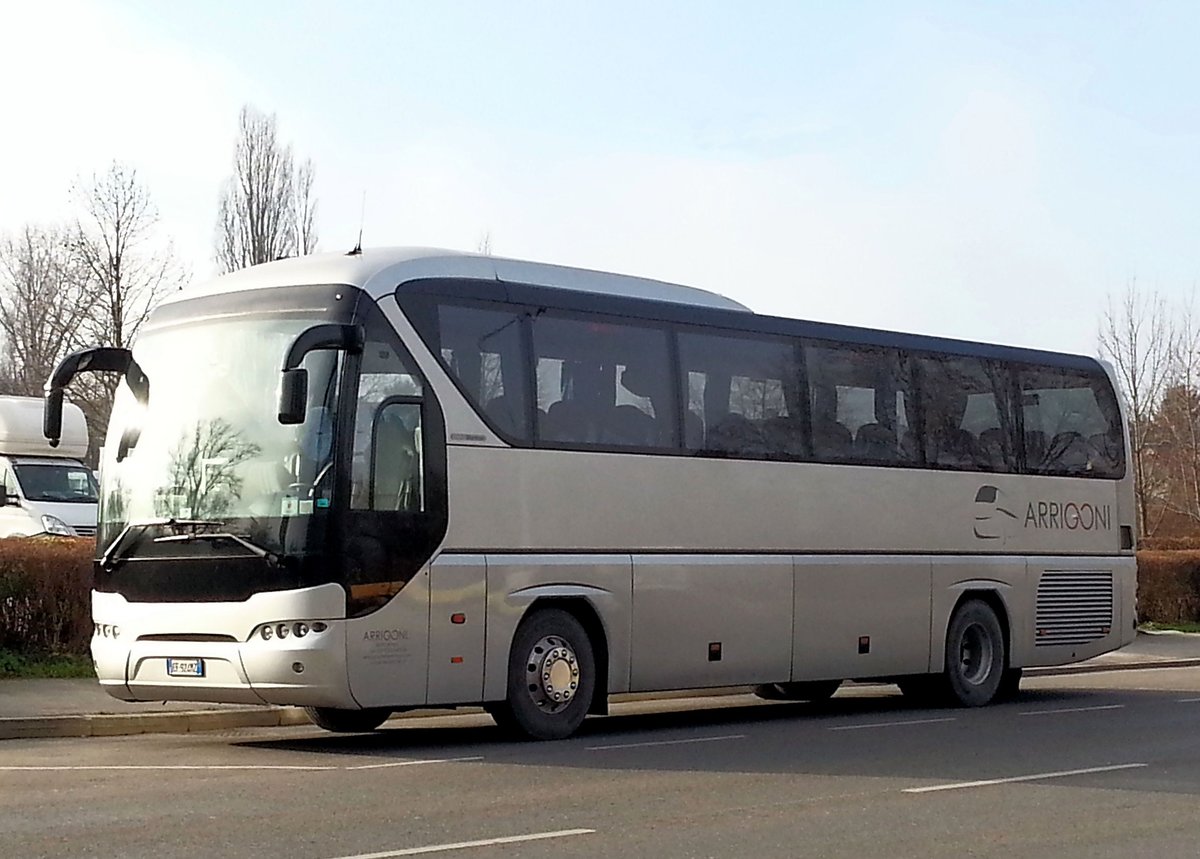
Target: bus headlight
x,y
286,628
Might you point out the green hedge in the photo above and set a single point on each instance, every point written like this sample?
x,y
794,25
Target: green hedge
x,y
1169,586
45,602
1168,544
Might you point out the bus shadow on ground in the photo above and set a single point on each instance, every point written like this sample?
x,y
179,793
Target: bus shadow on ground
x,y
1096,743
666,721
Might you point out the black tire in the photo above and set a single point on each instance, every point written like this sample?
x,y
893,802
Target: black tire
x,y
1010,685
975,655
551,677
811,690
347,721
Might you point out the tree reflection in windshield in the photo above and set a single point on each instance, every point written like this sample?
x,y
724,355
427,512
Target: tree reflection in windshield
x,y
203,469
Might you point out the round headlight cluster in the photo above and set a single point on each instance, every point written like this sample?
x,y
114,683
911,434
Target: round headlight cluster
x,y
299,629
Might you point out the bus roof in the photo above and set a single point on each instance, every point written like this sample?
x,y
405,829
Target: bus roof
x,y
380,270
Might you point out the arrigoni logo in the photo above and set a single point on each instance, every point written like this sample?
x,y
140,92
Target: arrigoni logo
x,y
993,519
1069,516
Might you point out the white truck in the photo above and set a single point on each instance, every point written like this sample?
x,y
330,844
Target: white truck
x,y
44,489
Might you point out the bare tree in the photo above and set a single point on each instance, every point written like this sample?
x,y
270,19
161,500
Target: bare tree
x,y
1175,432
44,305
126,270
267,210
1140,340
306,209
1177,450
485,243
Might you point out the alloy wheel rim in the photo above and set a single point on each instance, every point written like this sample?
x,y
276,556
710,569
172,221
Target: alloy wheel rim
x,y
552,674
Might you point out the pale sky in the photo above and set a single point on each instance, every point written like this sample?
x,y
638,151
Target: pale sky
x,y
988,171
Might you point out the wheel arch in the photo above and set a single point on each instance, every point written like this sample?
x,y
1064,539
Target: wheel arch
x,y
587,605
996,594
589,618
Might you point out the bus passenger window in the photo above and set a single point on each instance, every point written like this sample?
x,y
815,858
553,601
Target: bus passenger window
x,y
602,383
967,406
859,400
1072,424
482,349
741,396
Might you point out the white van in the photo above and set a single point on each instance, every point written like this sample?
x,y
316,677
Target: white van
x,y
43,489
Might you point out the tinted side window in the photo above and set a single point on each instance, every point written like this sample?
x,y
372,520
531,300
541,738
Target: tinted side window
x,y
383,444
1072,424
603,383
860,400
742,397
482,348
967,411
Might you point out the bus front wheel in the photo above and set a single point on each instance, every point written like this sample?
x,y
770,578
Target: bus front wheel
x,y
975,655
551,677
347,721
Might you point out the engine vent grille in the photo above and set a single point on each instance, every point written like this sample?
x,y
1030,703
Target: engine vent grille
x,y
85,530
1074,607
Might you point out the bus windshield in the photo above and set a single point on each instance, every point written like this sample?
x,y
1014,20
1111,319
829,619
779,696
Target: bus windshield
x,y
208,444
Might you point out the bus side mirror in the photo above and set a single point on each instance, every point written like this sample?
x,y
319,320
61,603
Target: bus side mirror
x,y
293,396
52,412
293,388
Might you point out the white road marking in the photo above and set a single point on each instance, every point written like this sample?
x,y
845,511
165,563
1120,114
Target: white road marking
x,y
665,743
1188,700
165,767
414,763
463,845
1035,777
1071,710
892,724
228,767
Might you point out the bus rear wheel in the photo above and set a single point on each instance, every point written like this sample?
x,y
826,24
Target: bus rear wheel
x,y
975,655
347,721
551,677
811,690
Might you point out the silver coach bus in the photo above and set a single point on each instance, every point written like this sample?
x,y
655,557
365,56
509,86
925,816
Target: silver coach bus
x,y
404,478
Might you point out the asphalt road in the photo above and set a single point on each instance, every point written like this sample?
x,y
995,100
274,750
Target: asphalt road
x,y
1097,765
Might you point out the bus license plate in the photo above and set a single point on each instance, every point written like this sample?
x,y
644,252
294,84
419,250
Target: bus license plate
x,y
185,667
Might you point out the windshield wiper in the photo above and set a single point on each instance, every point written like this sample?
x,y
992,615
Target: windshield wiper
x,y
113,555
266,554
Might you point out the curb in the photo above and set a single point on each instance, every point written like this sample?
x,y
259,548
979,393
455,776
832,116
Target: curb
x,y
1086,668
126,724
188,721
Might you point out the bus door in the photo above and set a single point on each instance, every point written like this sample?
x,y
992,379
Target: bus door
x,y
394,520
